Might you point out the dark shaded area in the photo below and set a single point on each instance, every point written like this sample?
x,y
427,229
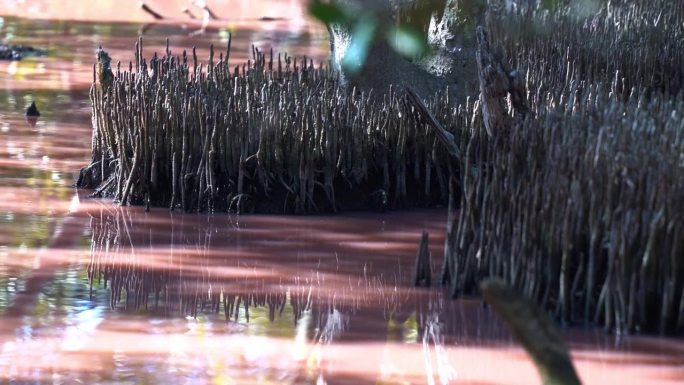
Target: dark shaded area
x,y
32,110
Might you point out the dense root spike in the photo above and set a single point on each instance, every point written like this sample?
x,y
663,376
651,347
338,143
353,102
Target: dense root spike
x,y
578,204
264,139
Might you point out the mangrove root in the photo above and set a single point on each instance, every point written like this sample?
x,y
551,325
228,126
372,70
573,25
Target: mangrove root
x,y
423,270
281,132
580,207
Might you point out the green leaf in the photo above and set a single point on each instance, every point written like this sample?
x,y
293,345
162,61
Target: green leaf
x,y
362,37
407,41
327,12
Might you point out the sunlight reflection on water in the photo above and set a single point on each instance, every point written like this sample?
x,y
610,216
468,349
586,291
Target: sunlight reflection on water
x,y
95,293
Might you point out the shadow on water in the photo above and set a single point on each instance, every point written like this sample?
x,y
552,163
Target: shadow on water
x,y
95,293
306,297
338,283
342,281
180,265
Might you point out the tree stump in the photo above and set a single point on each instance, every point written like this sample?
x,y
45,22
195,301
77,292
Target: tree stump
x,y
423,272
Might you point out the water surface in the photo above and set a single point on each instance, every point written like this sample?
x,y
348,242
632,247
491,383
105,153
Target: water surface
x,y
91,292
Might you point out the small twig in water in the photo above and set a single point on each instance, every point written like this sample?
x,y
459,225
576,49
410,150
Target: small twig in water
x,y
152,12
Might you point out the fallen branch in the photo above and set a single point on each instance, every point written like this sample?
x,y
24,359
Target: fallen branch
x,y
150,11
533,328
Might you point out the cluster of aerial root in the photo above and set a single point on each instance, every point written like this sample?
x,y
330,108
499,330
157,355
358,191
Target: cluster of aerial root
x,y
274,135
580,205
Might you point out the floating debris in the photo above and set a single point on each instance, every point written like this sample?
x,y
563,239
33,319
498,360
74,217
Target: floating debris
x,y
151,11
271,18
18,52
188,12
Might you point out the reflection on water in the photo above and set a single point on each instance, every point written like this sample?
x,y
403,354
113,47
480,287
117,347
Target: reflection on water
x,y
228,11
71,46
94,293
177,298
178,264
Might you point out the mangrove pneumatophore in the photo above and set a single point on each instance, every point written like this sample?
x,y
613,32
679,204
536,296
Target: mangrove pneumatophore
x,y
423,271
579,206
274,135
32,114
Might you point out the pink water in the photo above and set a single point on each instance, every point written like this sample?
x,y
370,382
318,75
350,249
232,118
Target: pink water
x,y
94,293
